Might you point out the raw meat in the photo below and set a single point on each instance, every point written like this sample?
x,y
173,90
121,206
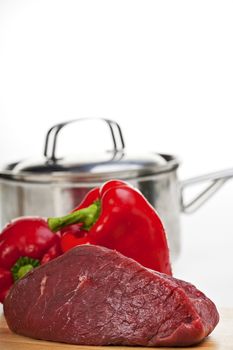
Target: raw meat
x,y
95,296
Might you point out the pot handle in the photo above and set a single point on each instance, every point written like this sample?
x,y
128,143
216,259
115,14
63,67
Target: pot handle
x,y
216,180
52,134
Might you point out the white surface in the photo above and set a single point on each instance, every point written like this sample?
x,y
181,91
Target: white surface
x,y
206,259
163,70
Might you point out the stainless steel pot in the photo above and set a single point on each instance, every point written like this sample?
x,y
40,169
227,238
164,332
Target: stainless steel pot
x,y
53,186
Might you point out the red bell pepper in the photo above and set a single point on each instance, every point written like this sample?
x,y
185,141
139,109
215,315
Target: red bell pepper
x,y
117,216
25,243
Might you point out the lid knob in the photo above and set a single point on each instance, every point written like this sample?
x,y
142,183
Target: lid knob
x,y
52,134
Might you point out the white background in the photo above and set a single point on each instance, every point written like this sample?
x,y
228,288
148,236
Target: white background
x,y
162,69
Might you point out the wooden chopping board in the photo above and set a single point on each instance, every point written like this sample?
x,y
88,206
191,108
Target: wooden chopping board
x,y
220,339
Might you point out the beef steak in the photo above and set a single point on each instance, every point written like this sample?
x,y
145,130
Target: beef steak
x,y
95,296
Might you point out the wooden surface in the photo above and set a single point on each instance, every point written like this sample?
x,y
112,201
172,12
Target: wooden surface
x,y
221,338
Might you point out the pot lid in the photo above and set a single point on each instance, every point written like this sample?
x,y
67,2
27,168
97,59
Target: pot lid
x,y
116,163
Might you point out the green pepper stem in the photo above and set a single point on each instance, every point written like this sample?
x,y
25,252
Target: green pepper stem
x,y
24,269
22,266
86,216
